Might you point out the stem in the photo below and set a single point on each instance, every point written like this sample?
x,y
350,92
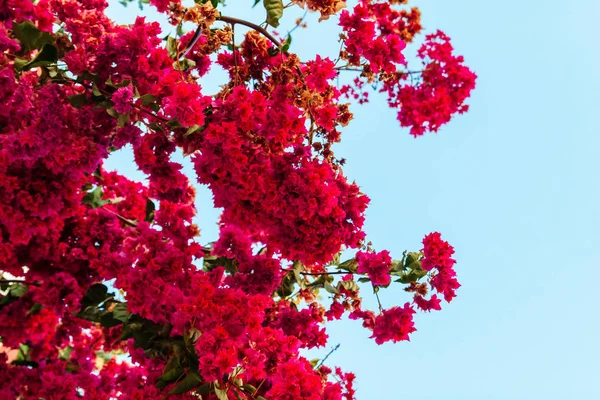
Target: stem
x,y
378,301
179,53
258,388
104,92
320,273
328,354
257,28
299,23
18,281
235,66
231,20
360,70
122,218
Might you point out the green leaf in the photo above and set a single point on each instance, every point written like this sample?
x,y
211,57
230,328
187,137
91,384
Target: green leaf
x,y
155,127
95,90
320,281
349,265
30,37
87,76
94,198
172,47
98,172
363,280
34,309
193,129
184,64
330,288
191,337
23,353
142,339
150,211
20,63
335,260
122,120
287,285
349,285
120,312
220,393
112,112
180,31
172,370
411,276
411,259
25,363
47,55
18,290
27,34
174,123
123,83
65,353
397,267
274,10
78,100
95,295
106,357
251,389
148,99
285,48
205,388
190,381
108,321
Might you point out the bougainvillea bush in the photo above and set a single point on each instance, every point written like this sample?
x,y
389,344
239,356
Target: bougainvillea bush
x,y
107,290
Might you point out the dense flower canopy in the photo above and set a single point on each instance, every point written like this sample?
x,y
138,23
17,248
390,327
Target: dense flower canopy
x,y
221,320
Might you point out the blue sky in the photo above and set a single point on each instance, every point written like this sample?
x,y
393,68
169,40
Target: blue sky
x,y
510,185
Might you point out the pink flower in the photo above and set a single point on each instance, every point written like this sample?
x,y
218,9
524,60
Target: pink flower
x,y
427,305
376,266
394,324
122,99
438,255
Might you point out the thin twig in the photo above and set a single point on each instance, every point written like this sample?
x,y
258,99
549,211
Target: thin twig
x,y
378,301
327,356
299,23
231,20
122,218
319,273
235,66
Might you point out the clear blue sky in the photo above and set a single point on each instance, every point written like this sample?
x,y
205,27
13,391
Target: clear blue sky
x,y
512,185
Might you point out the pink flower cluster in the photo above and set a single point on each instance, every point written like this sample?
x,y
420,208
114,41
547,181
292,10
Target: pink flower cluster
x,y
228,319
444,85
369,37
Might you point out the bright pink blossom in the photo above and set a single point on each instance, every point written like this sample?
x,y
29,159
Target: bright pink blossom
x,y
394,324
376,266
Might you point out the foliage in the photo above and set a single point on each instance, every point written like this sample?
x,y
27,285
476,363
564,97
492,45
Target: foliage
x,y
222,320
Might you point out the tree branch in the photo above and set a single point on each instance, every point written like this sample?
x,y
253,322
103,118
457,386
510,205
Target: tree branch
x,y
233,21
320,273
327,356
257,28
